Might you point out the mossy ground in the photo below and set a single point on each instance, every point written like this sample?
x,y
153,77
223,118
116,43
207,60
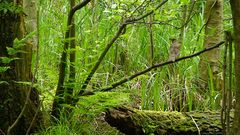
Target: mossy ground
x,y
88,117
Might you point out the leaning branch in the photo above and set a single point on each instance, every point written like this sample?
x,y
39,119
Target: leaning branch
x,y
124,80
109,45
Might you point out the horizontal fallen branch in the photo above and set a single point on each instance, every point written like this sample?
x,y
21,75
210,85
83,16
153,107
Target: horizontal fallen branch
x,y
126,79
137,122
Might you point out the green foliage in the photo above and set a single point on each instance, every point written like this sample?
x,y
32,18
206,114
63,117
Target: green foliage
x,y
88,114
6,60
95,27
95,104
10,7
212,91
3,69
17,44
3,82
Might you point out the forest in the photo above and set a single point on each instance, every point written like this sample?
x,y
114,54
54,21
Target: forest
x,y
116,67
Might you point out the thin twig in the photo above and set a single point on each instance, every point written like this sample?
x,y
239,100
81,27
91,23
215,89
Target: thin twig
x,y
199,133
165,23
150,27
33,120
1,132
147,14
141,5
229,92
155,22
189,15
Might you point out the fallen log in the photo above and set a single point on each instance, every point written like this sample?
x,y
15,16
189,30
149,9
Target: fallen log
x,y
137,122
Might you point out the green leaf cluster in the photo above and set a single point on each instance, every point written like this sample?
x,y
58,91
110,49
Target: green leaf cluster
x,y
5,60
4,69
17,44
10,7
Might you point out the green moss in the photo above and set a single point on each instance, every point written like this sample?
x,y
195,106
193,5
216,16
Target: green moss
x,y
151,121
98,102
88,114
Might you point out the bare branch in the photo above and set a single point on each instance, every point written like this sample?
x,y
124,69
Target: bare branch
x,y
147,14
124,80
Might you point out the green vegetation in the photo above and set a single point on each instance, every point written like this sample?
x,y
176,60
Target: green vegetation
x,y
10,7
96,25
88,117
135,35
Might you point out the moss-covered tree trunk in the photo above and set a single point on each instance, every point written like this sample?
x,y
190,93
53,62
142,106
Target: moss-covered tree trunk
x,y
209,64
137,122
13,93
59,96
235,6
72,70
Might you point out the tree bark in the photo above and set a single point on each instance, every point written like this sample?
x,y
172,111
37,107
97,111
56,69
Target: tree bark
x,y
137,122
235,4
213,14
16,79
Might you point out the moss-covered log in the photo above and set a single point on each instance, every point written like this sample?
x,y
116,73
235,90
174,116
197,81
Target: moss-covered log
x,y
137,122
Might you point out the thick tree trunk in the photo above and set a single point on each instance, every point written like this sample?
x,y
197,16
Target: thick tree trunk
x,y
209,63
235,5
137,122
13,93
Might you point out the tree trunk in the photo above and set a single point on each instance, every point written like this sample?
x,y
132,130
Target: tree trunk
x,y
137,122
59,96
235,4
72,70
15,81
213,34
